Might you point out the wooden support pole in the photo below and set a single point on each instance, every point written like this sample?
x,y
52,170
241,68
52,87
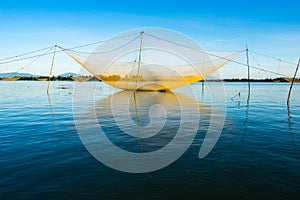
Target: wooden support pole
x,y
140,59
248,64
51,69
291,87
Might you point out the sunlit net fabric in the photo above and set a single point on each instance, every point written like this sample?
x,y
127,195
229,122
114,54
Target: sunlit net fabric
x,y
150,59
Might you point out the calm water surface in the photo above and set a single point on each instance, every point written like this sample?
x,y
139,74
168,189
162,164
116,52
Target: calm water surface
x,y
42,156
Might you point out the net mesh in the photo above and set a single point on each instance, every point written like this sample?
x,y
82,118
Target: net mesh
x,y
11,78
150,59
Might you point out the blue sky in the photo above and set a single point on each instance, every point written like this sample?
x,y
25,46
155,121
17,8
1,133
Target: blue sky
x,y
271,27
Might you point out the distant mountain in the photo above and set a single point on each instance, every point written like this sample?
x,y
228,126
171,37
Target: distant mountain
x,y
17,74
68,74
210,78
12,74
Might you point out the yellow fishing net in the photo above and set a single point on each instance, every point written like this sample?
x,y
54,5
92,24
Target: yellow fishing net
x,y
43,79
150,59
81,78
11,78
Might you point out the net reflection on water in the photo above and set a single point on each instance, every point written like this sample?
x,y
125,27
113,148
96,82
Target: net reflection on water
x,y
156,125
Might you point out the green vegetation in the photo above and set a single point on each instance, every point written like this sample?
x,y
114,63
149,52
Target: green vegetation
x,y
116,78
276,80
53,78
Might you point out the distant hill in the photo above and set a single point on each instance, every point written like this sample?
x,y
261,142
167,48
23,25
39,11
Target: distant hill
x,y
68,74
13,74
17,74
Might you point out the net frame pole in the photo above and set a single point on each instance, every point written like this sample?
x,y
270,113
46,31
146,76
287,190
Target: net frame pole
x,y
248,65
51,69
140,59
292,83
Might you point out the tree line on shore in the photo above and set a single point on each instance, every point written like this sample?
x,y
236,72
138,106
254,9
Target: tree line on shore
x,y
92,78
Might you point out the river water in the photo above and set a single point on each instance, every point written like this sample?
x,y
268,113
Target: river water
x,y
43,154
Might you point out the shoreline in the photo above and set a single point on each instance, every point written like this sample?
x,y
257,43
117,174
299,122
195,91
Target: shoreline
x,y
90,78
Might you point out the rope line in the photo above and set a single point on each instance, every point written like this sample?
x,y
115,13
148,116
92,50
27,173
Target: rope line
x,y
94,43
50,49
24,54
98,52
271,57
26,58
237,62
44,54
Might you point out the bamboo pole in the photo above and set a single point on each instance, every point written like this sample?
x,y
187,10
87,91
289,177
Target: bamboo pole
x,y
140,59
138,121
51,69
249,91
202,87
248,64
292,83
